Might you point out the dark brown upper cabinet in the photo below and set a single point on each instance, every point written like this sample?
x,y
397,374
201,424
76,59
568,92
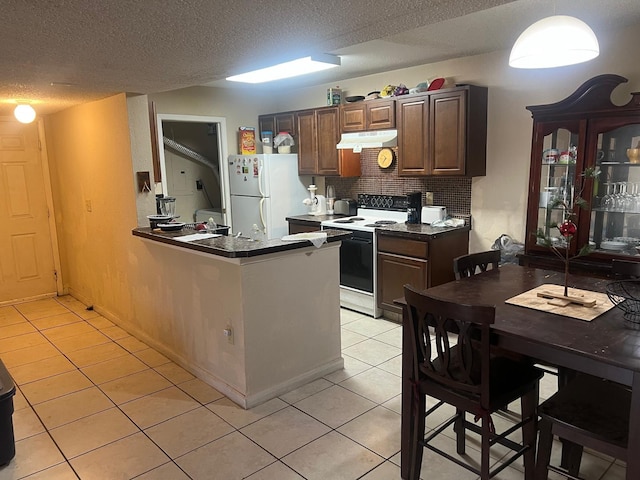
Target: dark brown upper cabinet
x,y
318,135
278,122
368,115
443,132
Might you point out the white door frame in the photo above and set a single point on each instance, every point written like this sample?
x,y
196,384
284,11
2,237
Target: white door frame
x,y
221,132
53,229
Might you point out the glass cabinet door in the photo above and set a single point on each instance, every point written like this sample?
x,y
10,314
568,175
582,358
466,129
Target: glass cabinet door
x,y
615,214
557,183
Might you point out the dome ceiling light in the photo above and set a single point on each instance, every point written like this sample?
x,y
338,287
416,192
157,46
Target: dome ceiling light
x,y
554,42
24,113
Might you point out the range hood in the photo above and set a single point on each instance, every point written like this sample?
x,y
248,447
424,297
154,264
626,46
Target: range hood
x,y
375,139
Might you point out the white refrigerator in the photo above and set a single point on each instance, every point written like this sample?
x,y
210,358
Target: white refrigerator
x,y
264,190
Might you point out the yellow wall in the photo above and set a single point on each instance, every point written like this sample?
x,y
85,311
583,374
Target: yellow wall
x,y
90,156
93,151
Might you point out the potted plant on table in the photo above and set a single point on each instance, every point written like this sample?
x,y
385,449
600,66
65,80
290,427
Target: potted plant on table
x,y
567,227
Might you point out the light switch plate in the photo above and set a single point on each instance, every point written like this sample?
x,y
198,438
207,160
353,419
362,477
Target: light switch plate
x,y
144,181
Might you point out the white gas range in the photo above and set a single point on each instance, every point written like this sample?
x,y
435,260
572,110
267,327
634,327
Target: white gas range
x,y
358,266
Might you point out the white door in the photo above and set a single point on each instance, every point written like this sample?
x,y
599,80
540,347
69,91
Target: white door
x,y
26,257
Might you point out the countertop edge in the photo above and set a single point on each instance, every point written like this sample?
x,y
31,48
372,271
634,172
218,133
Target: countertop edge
x,y
420,231
231,247
314,219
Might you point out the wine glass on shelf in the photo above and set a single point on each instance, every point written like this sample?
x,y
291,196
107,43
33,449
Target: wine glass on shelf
x,y
617,188
623,200
636,198
608,200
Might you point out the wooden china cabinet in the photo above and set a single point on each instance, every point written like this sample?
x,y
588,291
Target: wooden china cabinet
x,y
585,130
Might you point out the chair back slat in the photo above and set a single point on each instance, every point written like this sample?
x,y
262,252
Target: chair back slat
x,y
458,356
468,265
625,269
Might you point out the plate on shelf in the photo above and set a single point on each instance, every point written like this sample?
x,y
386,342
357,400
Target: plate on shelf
x,y
628,240
613,245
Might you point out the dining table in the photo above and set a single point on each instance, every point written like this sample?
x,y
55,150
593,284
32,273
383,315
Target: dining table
x,y
603,347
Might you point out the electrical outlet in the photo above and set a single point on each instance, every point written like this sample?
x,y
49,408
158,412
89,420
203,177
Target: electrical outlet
x,y
428,198
228,333
198,184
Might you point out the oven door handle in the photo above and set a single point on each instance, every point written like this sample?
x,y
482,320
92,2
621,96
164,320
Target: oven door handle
x,y
360,240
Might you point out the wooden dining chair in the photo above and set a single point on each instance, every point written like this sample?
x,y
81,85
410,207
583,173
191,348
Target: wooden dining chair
x,y
588,412
458,368
572,451
472,263
625,269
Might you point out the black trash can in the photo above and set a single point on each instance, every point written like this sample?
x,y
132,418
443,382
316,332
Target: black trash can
x,y
7,440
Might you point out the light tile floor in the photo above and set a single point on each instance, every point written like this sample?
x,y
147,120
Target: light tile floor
x,y
93,402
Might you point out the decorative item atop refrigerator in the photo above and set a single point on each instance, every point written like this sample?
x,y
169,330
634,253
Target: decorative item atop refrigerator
x,y
264,190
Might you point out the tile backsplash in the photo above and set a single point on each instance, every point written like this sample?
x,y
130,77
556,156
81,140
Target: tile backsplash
x,y
451,192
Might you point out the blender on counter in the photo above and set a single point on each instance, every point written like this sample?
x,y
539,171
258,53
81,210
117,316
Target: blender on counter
x,y
331,198
167,206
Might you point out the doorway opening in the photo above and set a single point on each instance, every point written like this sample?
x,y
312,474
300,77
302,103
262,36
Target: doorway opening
x,y
192,150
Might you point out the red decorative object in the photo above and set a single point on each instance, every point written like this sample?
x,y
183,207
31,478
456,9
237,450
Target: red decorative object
x,y
568,229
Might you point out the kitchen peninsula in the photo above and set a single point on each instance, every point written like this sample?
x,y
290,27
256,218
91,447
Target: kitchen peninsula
x,y
254,319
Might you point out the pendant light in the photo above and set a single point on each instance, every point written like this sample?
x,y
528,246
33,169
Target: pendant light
x,y
554,42
24,113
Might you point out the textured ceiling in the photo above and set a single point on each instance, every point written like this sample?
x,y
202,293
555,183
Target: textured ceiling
x,y
57,54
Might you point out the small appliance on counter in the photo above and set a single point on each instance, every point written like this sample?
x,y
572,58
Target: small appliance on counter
x,y
321,205
414,207
433,213
331,199
166,206
317,203
346,206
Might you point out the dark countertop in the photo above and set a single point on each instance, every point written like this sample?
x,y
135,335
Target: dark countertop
x,y
419,231
315,219
231,247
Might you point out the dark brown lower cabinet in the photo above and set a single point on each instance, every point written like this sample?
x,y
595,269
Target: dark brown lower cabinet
x,y
396,271
302,227
423,262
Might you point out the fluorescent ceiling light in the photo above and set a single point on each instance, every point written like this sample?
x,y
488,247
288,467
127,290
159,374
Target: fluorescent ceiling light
x,y
24,113
554,42
301,66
